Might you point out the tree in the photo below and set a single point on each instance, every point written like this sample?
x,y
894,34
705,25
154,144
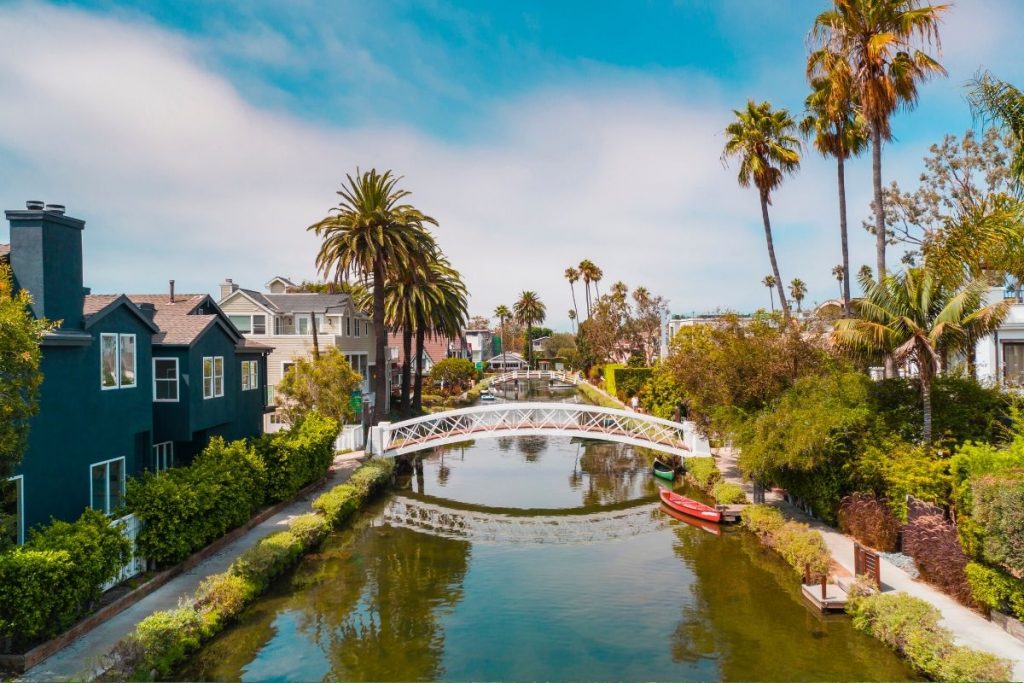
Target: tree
x,y
324,384
1003,104
20,378
798,290
572,319
839,272
590,273
769,282
837,130
479,322
502,313
884,43
529,309
444,315
573,276
453,374
373,235
917,317
762,139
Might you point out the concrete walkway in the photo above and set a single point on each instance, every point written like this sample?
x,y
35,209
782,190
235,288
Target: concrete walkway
x,y
969,627
80,658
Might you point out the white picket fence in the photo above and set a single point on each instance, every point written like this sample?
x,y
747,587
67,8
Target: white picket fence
x,y
130,526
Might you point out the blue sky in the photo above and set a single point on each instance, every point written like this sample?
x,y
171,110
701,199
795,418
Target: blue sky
x,y
198,139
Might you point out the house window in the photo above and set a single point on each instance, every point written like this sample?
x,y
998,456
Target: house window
x,y
213,376
348,326
250,375
12,508
285,367
165,379
163,456
106,485
367,329
259,324
1013,363
357,329
302,324
250,324
359,363
117,361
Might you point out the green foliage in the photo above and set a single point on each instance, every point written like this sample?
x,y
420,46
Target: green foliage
x,y
323,384
802,547
49,582
703,471
268,558
609,377
342,500
910,626
454,374
372,476
222,597
297,456
660,396
763,520
727,493
309,528
625,381
996,589
166,637
597,398
894,469
999,512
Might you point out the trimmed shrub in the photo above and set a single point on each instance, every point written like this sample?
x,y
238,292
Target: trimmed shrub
x,y
309,528
222,597
338,503
910,626
799,545
703,471
869,520
995,589
933,543
297,456
273,554
372,476
998,512
164,638
727,493
763,520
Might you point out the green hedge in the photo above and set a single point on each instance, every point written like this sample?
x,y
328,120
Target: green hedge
x,y
49,582
728,493
185,508
799,545
703,471
996,589
163,639
622,382
910,626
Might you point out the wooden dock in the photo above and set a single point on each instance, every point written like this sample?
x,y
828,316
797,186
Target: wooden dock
x,y
828,598
730,513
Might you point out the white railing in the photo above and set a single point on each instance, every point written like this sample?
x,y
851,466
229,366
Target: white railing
x,y
526,375
130,526
541,419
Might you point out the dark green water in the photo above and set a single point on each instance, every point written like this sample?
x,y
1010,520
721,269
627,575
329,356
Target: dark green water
x,y
538,559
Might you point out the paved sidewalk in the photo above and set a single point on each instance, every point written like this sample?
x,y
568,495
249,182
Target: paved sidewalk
x,y
969,627
80,658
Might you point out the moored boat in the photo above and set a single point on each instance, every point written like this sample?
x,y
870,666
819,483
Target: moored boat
x,y
710,527
663,471
688,506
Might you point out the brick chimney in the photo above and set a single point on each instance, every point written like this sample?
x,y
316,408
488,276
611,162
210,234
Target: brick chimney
x,y
227,288
46,258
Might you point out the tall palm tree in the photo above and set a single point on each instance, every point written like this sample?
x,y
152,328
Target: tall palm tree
x,y
595,277
372,234
884,42
572,319
917,317
763,141
588,271
529,309
446,315
798,290
837,129
769,282
573,276
1003,104
840,272
502,313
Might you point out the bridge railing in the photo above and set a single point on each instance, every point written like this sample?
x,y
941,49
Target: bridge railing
x,y
526,375
537,418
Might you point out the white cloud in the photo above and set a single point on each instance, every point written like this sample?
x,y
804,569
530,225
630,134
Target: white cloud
x,y
179,177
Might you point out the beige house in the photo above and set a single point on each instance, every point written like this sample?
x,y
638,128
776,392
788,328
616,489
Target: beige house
x,y
283,318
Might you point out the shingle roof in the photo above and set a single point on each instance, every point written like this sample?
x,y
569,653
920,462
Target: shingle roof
x,y
306,302
5,250
176,322
94,303
259,298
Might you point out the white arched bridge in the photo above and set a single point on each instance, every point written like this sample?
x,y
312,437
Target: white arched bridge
x,y
537,419
527,375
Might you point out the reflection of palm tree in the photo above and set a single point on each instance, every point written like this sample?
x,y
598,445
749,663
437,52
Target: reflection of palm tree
x,y
531,447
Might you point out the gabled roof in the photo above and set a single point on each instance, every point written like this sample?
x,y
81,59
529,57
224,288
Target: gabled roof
x,y
307,302
510,357
283,280
180,322
95,307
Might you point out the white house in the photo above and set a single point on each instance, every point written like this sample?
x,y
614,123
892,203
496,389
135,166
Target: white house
x,y
1000,356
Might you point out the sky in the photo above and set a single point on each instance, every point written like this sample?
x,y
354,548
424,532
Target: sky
x,y
199,139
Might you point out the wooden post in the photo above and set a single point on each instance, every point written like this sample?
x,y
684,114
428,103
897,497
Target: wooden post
x,y
824,590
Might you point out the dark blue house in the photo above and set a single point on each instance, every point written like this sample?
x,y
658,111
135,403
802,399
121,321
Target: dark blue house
x,y
130,382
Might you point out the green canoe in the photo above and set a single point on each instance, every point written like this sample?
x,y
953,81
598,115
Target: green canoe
x,y
663,471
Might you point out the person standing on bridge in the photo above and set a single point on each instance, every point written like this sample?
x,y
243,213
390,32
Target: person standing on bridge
x,y
634,403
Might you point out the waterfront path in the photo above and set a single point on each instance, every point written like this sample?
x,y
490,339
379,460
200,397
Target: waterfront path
x,y
969,627
79,660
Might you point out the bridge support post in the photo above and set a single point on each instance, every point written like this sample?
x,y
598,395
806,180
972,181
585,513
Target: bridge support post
x,y
377,444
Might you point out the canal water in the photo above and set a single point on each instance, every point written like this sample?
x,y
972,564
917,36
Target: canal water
x,y
538,559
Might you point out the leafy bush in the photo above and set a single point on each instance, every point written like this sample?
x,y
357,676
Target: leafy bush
x,y
910,626
894,469
344,499
727,493
624,382
268,558
56,576
453,374
661,396
164,638
323,385
933,543
998,510
298,456
869,520
222,597
609,377
703,471
310,528
372,475
996,590
763,520
802,547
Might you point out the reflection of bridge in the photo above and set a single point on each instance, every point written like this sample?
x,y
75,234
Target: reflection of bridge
x,y
527,375
445,518
537,419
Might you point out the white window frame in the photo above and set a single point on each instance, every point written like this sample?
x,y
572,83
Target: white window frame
x,y
19,482
177,381
252,323
284,368
297,320
211,380
135,362
250,375
117,361
163,456
218,360
106,493
357,328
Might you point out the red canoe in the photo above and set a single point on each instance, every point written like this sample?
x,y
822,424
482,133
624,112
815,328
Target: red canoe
x,y
690,507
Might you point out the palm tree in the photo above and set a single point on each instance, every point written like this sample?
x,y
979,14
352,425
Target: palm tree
x,y
588,271
595,277
502,313
529,310
373,235
446,315
1003,104
763,141
573,276
572,319
769,282
839,273
916,317
837,130
798,290
884,42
